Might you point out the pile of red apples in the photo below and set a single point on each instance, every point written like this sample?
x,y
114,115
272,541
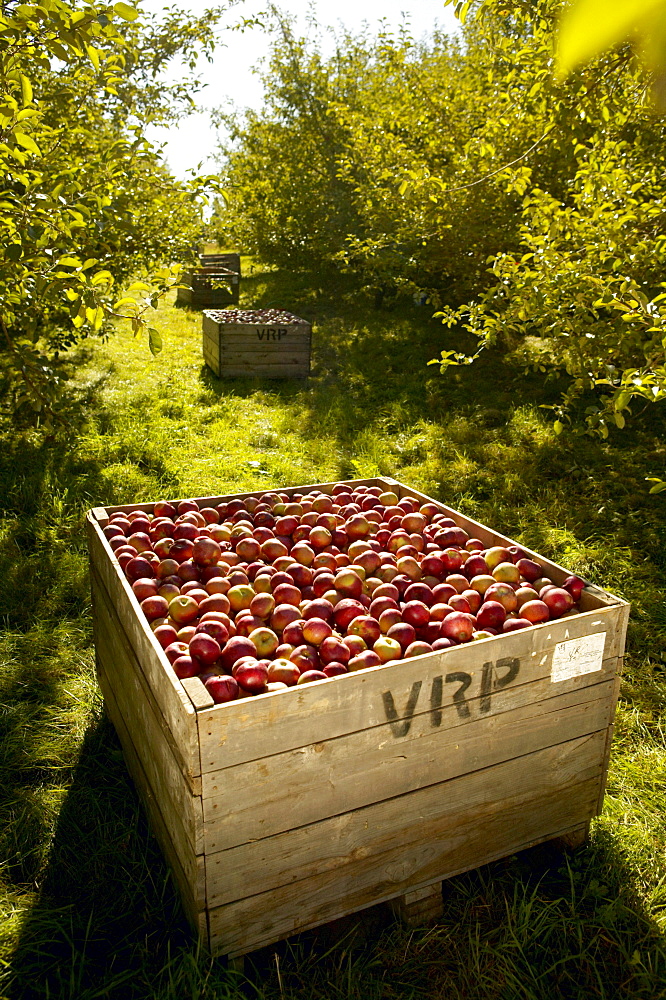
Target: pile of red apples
x,y
261,594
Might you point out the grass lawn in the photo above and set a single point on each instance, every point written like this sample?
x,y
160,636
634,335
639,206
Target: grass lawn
x,y
87,908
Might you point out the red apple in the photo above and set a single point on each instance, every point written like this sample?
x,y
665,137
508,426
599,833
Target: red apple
x,y
417,648
251,676
363,660
403,633
222,688
316,630
535,612
529,569
457,626
308,676
416,613
204,648
557,599
284,670
491,614
185,666
334,650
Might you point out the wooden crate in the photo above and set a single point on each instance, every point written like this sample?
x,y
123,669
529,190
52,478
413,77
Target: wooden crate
x,y
283,812
269,349
209,287
231,261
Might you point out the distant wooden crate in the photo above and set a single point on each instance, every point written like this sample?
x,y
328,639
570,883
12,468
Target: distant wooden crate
x,y
231,261
269,342
210,287
287,810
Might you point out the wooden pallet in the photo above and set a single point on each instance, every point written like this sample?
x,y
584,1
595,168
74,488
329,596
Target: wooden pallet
x,y
283,812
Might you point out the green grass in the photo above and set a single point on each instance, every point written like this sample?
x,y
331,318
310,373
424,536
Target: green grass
x,y
87,908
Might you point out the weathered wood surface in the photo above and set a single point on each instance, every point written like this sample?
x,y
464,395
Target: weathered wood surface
x,y
272,723
374,854
269,349
175,706
189,871
120,670
274,794
420,906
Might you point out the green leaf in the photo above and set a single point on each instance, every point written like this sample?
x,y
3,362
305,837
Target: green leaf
x,y
558,426
154,341
28,143
125,11
26,90
14,251
588,27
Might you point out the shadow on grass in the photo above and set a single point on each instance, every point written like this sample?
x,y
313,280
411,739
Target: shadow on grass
x,y
537,925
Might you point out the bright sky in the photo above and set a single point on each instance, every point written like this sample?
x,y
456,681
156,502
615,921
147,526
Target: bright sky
x,y
230,77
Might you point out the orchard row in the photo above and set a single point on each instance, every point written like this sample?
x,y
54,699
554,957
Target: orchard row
x,y
260,594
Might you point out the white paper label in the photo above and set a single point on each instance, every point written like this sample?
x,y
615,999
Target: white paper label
x,y
576,657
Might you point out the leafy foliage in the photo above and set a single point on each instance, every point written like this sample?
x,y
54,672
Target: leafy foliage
x,y
85,202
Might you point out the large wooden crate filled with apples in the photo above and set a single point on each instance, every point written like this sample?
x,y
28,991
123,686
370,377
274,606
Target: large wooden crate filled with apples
x,y
270,343
210,286
334,696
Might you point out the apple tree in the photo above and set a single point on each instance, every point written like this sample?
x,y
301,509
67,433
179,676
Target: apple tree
x,y
86,206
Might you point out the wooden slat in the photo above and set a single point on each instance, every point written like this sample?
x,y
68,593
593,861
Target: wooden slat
x,y
420,906
275,794
377,853
181,808
191,878
272,723
174,704
197,693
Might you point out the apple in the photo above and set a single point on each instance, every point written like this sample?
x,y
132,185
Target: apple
x,y
283,670
535,611
442,642
416,613
215,602
308,676
504,593
491,614
185,666
514,624
334,669
287,593
240,596
292,633
355,644
506,572
367,627
183,609
157,607
575,585
204,648
363,660
457,626
417,648
334,650
251,676
320,607
282,616
145,587
316,630
529,569
176,649
557,599
222,688
265,641
387,649
138,568
460,603
495,555
216,629
237,647
305,657
403,633
165,635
